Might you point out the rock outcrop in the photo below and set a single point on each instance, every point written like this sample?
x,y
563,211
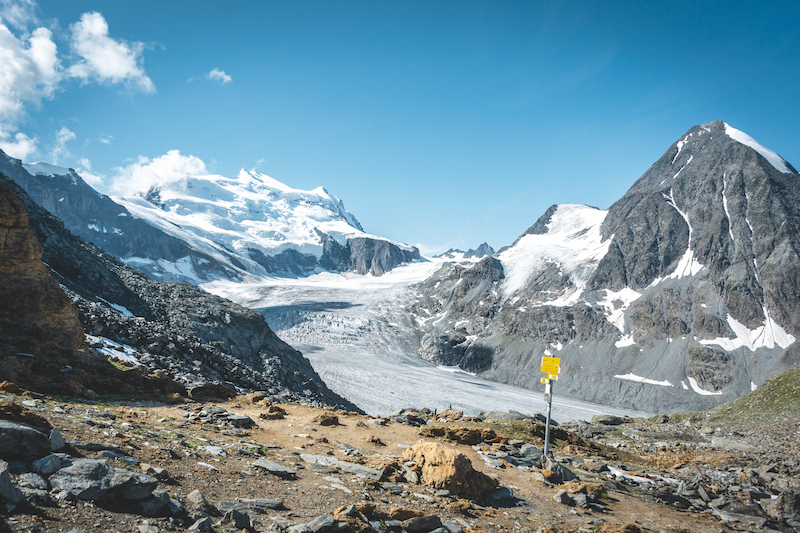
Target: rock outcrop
x,y
34,306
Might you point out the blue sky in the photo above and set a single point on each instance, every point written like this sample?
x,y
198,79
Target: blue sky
x,y
440,124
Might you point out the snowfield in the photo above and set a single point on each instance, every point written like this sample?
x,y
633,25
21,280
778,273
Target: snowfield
x,y
356,333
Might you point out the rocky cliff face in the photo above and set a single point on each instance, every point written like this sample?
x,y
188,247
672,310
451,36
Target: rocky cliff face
x,y
35,309
206,343
684,294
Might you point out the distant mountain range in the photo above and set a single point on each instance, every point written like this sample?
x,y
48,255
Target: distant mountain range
x,y
454,254
683,294
208,227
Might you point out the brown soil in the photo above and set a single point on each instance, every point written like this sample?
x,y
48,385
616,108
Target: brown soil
x,y
158,435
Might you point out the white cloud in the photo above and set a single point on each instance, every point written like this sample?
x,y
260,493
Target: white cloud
x,y
106,139
18,13
168,168
84,170
30,70
21,147
218,75
104,59
63,136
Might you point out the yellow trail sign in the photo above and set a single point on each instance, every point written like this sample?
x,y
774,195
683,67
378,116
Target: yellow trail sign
x,y
551,365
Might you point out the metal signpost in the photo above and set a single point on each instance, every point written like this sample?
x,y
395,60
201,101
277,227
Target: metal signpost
x,y
550,366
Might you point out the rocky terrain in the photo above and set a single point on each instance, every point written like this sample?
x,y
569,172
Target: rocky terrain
x,y
682,295
249,464
201,344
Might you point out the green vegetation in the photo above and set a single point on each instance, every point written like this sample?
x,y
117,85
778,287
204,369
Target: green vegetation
x,y
778,397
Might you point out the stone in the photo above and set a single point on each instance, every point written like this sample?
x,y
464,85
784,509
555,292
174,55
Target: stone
x,y
359,470
197,498
263,503
445,468
562,474
147,528
8,492
450,414
607,420
326,419
155,471
85,479
422,524
405,513
203,524
32,481
563,498
274,468
131,485
18,440
47,465
501,416
157,504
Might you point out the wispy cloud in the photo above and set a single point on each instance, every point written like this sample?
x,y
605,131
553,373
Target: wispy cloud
x,y
219,75
18,14
105,59
106,139
63,136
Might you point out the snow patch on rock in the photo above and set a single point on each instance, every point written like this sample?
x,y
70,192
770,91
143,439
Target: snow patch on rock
x,y
573,241
774,159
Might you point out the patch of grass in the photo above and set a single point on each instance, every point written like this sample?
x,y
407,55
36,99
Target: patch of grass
x,y
778,397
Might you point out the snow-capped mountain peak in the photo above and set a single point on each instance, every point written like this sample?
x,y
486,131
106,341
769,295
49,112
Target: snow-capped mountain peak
x,y
45,169
251,222
774,159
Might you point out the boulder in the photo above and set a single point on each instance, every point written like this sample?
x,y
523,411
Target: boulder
x,y
18,440
445,468
131,485
8,492
607,420
47,465
85,479
561,474
422,524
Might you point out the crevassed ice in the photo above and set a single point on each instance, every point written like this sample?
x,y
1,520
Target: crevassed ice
x,y
774,159
573,241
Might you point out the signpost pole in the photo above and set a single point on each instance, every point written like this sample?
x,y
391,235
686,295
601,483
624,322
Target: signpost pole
x,y
549,389
552,367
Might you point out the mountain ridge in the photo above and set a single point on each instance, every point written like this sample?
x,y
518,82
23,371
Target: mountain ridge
x,y
683,294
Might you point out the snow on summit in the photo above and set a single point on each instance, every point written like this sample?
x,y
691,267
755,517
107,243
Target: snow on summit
x,y
774,159
252,212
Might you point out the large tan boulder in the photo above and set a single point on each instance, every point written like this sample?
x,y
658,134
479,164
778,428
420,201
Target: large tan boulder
x,y
443,467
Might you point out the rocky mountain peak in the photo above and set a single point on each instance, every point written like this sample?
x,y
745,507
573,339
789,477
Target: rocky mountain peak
x,y
683,294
